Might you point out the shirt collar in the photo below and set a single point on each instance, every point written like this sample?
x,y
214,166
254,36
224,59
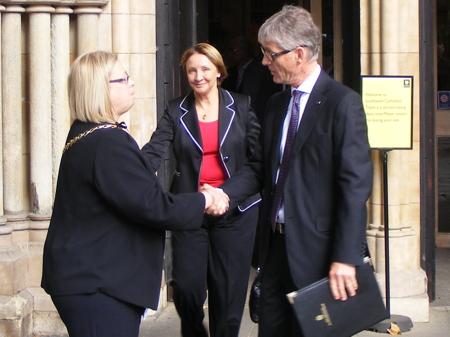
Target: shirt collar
x,y
246,65
307,85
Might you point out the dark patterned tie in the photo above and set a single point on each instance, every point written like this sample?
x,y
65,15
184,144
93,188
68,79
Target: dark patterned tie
x,y
239,78
284,166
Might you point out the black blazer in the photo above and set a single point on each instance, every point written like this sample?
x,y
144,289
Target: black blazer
x,y
107,231
328,184
238,133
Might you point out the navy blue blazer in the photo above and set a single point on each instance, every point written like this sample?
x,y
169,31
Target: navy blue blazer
x,y
107,230
328,184
238,133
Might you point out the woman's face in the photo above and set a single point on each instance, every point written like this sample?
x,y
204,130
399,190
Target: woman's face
x,y
202,74
121,90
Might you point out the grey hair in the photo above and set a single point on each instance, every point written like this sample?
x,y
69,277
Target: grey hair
x,y
292,27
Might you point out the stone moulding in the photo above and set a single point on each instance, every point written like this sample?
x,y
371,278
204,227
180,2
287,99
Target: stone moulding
x,y
99,3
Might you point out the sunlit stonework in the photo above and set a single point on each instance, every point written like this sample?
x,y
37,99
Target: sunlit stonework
x,y
57,2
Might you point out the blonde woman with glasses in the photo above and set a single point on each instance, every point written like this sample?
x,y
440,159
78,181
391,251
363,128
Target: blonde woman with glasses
x,y
104,249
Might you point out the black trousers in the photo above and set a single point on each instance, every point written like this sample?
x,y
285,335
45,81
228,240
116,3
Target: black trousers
x,y
276,316
216,258
98,315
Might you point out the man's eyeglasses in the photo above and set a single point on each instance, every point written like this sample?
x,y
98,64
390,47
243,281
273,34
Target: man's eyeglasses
x,y
121,80
271,56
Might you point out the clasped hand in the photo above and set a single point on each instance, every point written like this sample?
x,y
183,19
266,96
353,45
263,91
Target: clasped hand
x,y
216,200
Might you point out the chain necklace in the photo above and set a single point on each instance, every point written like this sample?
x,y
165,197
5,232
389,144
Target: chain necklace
x,y
81,135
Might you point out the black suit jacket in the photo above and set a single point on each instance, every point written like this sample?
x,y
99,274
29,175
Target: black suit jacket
x,y
107,231
328,184
257,82
238,133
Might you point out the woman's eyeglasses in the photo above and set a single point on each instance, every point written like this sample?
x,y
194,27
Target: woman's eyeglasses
x,y
121,80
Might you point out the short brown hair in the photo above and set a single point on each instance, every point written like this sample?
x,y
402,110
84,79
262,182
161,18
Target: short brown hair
x,y
211,53
88,87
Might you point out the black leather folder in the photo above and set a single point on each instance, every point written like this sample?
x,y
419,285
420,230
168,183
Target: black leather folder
x,y
319,314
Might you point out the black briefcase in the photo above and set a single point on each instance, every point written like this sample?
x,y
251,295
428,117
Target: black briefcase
x,y
319,314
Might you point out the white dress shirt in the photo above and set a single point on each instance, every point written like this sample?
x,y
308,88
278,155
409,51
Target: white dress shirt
x,y
305,87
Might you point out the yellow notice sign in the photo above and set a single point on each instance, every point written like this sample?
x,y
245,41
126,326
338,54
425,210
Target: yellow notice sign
x,y
387,102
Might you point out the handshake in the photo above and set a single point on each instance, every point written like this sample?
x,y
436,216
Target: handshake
x,y
216,200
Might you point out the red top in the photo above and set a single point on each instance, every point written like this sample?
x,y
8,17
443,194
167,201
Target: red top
x,y
212,171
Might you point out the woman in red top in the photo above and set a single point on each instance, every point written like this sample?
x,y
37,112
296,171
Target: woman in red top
x,y
213,133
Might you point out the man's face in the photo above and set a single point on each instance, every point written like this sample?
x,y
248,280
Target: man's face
x,y
284,68
236,55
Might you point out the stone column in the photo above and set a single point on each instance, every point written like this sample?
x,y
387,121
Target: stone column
x,y
370,37
136,61
121,30
87,28
388,49
121,41
105,29
13,157
13,276
134,40
40,139
2,8
40,108
120,10
5,231
60,65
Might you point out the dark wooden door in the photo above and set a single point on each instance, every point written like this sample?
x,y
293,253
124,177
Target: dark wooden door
x,y
179,25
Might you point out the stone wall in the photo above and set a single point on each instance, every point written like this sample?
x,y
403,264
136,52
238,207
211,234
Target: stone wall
x,y
388,48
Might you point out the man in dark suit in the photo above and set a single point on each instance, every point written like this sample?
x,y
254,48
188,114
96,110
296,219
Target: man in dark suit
x,y
315,157
248,76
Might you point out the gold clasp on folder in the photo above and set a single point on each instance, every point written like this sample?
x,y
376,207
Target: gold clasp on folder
x,y
325,316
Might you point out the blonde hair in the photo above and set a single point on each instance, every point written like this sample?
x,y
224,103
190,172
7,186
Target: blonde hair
x,y
88,87
211,53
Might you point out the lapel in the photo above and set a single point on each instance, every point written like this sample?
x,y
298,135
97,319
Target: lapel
x,y
227,114
311,114
312,111
189,120
278,120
